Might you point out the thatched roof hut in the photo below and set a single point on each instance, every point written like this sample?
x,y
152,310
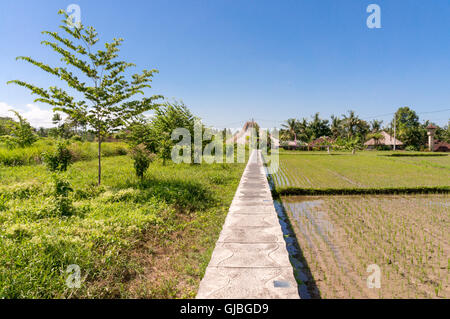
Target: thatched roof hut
x,y
441,146
323,141
385,139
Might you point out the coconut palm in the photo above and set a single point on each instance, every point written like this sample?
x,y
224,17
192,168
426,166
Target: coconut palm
x,y
350,123
375,126
291,126
336,126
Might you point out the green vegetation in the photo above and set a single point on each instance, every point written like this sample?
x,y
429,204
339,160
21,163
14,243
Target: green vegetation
x,y
349,132
20,134
321,173
80,151
107,105
131,238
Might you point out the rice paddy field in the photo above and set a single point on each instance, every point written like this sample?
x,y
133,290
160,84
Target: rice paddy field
x,y
338,237
317,170
407,237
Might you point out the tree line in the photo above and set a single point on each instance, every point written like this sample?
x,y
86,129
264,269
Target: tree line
x,y
350,128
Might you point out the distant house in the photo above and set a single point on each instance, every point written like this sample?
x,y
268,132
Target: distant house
x,y
441,146
291,145
385,140
321,142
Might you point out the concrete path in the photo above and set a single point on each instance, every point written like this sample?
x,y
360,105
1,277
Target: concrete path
x,y
250,259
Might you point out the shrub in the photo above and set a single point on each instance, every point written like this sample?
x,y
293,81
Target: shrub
x,y
76,138
59,159
411,148
142,159
62,204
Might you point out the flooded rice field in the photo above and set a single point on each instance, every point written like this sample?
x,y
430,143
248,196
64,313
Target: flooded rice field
x,y
332,241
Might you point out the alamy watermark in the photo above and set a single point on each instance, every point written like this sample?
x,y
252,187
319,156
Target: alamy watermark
x,y
374,279
374,19
74,19
74,278
221,146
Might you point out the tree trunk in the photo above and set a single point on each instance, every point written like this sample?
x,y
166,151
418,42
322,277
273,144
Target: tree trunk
x,y
99,160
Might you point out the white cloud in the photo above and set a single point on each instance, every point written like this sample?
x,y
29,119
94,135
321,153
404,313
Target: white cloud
x,y
34,114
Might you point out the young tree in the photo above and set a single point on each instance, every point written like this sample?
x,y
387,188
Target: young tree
x,y
107,102
4,125
21,133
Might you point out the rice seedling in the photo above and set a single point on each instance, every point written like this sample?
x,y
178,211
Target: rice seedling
x,y
407,236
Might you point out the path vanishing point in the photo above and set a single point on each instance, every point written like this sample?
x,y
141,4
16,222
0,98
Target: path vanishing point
x,y
250,259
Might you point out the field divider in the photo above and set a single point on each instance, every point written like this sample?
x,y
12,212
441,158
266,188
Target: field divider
x,y
293,191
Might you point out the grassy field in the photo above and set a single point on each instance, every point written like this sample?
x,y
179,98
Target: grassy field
x,y
319,170
81,151
406,236
148,239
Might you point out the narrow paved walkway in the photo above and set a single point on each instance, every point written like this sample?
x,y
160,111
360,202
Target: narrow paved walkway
x,y
250,259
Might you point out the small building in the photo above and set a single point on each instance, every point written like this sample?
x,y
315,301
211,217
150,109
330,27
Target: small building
x,y
323,142
441,146
292,145
385,140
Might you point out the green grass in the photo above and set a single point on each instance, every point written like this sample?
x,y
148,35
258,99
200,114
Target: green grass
x,y
122,233
81,151
365,170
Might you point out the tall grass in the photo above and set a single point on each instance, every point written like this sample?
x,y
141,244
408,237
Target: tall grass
x,y
170,219
81,151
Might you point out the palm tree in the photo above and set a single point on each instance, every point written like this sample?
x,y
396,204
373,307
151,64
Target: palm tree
x,y
350,123
377,136
291,126
336,126
375,126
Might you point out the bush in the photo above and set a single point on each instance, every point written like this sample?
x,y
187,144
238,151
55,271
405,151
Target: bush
x,y
142,159
411,148
59,159
76,138
62,204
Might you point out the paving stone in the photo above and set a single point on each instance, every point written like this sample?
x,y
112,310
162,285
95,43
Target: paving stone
x,y
262,234
258,283
235,220
250,259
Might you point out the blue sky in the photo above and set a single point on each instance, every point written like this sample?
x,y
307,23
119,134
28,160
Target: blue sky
x,y
232,60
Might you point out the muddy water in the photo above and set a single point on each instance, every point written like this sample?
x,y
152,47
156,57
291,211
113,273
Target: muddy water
x,y
309,220
301,272
307,214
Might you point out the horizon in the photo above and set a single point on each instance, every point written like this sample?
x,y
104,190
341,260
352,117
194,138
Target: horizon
x,y
234,61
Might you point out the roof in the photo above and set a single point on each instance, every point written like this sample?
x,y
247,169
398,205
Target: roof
x,y
386,139
293,143
441,146
431,127
321,141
